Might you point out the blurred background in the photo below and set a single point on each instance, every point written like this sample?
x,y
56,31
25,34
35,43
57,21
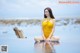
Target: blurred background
x,y
26,15
35,8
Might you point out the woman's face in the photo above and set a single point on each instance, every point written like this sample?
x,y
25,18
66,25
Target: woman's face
x,y
46,12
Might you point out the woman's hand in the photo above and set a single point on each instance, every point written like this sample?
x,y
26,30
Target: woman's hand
x,y
43,37
48,38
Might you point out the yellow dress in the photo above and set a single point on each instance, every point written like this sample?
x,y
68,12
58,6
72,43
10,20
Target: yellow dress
x,y
47,27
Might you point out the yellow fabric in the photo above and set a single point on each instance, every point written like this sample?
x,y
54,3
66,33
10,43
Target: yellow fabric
x,y
47,27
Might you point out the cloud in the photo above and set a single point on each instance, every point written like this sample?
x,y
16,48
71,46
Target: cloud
x,y
35,8
24,4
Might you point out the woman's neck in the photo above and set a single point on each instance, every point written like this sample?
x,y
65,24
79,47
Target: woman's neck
x,y
48,17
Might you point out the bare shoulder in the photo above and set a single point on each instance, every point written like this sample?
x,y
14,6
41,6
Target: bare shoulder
x,y
52,20
43,20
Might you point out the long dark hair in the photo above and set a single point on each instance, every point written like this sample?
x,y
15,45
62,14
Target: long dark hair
x,y
50,12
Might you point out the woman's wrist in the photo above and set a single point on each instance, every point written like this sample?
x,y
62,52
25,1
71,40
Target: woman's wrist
x,y
43,37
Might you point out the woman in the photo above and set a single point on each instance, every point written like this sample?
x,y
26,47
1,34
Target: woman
x,y
48,26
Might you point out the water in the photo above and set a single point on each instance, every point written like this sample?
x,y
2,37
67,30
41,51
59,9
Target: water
x,y
69,39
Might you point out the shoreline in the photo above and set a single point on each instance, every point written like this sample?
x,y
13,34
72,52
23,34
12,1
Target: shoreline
x,y
37,21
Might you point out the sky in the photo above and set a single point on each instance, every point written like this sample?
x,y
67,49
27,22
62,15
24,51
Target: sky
x,y
35,8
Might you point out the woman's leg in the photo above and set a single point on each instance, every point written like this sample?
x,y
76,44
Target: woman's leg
x,y
39,38
54,38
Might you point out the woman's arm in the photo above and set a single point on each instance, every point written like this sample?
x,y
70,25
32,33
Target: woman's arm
x,y
53,21
42,30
